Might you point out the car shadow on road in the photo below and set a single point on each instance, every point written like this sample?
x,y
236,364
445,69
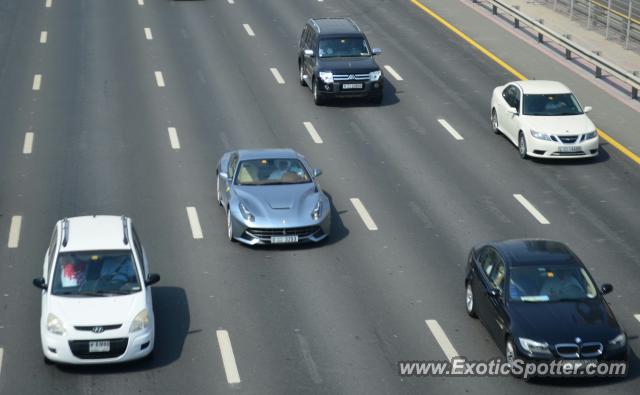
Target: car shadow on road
x,y
390,98
172,321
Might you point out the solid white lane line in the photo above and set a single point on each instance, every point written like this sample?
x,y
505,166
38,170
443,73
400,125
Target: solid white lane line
x,y
248,29
14,231
393,72
450,129
37,80
173,137
43,37
531,209
194,222
147,33
228,359
277,76
364,214
442,339
312,131
159,79
27,148
48,3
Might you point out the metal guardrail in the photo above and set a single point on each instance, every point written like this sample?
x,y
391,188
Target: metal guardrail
x,y
570,47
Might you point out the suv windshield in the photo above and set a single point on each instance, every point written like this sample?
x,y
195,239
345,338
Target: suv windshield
x,y
95,273
271,172
551,105
550,284
343,47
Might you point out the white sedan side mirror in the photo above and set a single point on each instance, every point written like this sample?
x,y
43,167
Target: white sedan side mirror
x,y
587,109
512,110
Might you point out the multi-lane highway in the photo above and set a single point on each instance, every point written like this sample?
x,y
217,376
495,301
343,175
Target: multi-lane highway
x,y
125,106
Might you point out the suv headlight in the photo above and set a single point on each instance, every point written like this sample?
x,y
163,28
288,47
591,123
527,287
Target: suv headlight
x,y
140,322
375,75
317,210
246,214
591,135
540,135
534,347
326,76
54,325
618,341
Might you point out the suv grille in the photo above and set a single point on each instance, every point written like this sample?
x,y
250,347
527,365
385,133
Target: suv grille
x,y
80,348
265,234
351,77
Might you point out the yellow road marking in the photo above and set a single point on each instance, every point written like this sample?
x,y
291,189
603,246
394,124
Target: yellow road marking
x,y
513,71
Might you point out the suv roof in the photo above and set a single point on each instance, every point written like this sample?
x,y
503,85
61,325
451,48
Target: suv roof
x,y
96,232
325,26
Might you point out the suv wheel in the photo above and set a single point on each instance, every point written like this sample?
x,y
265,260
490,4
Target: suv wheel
x,y
302,81
522,146
316,95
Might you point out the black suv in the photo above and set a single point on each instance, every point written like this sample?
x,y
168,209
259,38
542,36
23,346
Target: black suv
x,y
335,60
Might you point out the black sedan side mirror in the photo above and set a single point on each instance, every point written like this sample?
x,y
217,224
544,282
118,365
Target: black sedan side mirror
x,y
152,278
494,292
39,283
606,288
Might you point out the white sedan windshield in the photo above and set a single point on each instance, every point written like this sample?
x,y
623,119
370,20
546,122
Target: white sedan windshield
x,y
551,105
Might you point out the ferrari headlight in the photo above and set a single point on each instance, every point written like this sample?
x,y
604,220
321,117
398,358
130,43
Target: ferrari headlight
x,y
54,325
375,75
326,76
140,322
317,210
618,341
246,214
534,347
591,135
540,135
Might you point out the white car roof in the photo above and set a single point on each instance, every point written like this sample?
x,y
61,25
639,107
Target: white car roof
x,y
542,87
94,233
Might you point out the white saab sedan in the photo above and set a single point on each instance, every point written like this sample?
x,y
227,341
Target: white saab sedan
x,y
96,300
544,120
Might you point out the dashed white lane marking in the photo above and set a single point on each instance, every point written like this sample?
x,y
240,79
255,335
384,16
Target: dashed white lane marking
x,y
173,138
37,81
43,37
159,79
48,3
393,73
231,1
27,148
637,317
531,209
147,33
277,76
442,339
313,132
364,214
228,359
140,2
248,29
450,129
308,360
14,231
194,222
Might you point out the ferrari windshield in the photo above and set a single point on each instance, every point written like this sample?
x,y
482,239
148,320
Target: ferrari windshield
x,y
551,105
95,273
271,172
550,283
343,47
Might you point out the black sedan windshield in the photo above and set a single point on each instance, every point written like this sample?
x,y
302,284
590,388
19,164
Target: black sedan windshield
x,y
551,105
550,283
271,172
95,274
343,47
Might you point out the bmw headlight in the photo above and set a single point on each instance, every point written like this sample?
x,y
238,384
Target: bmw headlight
x,y
533,347
246,214
317,210
140,322
591,135
540,135
54,325
375,75
618,341
326,76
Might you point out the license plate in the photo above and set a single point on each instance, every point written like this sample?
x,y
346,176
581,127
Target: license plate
x,y
570,148
284,239
351,86
99,346
579,363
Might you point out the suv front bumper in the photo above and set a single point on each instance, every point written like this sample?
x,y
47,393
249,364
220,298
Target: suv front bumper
x,y
337,88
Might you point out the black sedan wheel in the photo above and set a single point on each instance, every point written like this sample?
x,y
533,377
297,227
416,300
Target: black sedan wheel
x,y
470,302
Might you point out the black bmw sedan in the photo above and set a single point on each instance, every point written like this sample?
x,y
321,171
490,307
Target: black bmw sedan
x,y
539,303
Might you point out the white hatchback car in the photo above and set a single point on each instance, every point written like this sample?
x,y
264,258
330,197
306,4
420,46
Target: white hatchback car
x,y
96,300
544,120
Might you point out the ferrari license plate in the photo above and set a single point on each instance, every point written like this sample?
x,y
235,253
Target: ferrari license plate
x,y
99,346
352,86
570,148
284,239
